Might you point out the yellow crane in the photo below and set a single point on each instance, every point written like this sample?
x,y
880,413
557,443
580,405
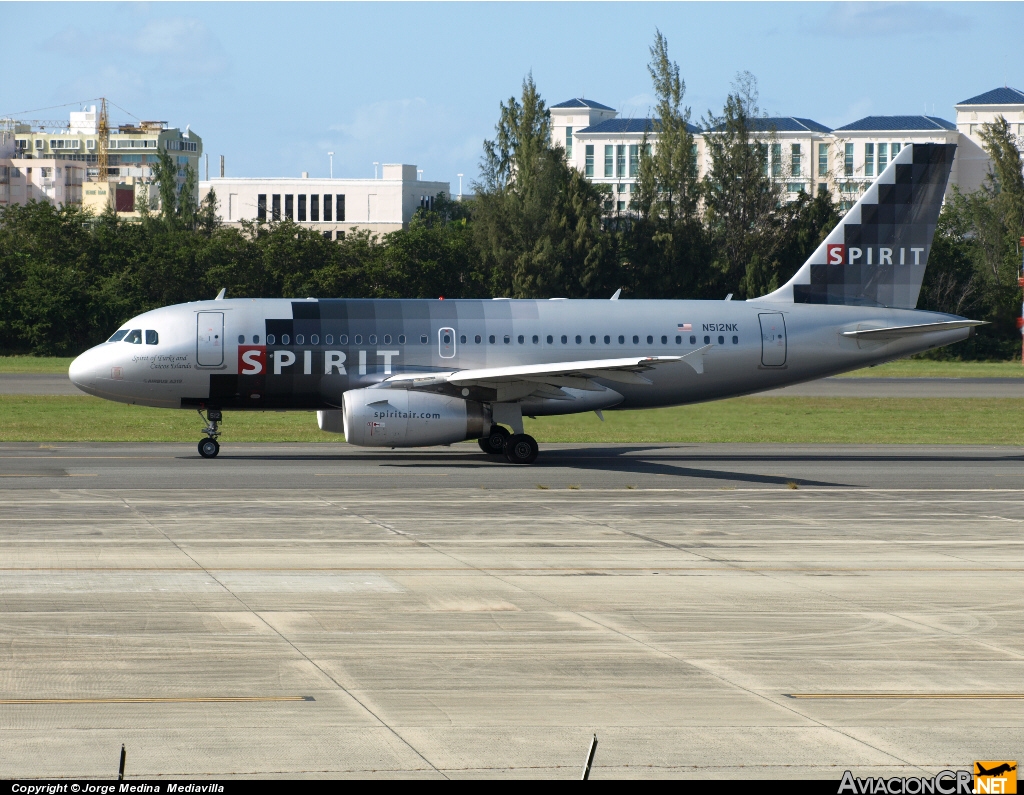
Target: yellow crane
x,y
102,139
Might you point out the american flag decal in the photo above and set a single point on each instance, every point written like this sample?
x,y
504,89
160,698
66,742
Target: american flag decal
x,y
685,327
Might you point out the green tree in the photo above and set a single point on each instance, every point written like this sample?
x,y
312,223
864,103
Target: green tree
x,y
742,197
537,221
666,242
975,258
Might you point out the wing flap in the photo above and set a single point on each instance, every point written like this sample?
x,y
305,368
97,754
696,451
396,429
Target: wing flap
x,y
545,373
548,380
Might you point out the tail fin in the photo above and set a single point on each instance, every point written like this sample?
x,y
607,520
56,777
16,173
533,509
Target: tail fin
x,y
877,254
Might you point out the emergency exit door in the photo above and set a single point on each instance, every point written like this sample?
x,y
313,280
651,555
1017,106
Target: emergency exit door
x,y
773,339
210,339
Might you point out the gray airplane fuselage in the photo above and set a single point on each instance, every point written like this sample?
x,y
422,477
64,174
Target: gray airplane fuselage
x,y
280,354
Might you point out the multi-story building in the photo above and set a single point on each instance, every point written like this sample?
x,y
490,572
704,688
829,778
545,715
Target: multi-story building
x,y
970,115
794,153
54,181
608,151
803,155
69,157
863,149
330,206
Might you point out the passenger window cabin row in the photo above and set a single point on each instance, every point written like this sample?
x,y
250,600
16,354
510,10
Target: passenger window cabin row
x,y
371,339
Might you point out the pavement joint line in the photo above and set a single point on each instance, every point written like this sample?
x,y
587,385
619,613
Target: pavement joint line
x,y
900,619
763,696
670,655
726,680
283,637
155,700
908,696
516,570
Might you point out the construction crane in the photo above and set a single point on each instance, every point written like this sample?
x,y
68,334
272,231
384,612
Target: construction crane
x,y
102,139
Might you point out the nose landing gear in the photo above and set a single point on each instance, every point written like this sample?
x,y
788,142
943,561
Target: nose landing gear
x,y
209,447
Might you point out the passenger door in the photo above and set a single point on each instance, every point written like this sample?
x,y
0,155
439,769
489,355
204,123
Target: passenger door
x,y
210,339
773,339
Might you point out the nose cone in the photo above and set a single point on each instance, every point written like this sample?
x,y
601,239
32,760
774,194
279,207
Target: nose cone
x,y
84,372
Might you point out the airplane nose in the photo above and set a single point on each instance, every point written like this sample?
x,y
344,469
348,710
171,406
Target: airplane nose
x,y
82,371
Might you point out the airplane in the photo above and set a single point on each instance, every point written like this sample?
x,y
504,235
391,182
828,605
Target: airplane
x,y
409,373
998,770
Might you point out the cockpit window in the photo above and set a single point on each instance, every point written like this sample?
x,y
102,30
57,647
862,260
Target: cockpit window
x,y
118,335
134,336
152,338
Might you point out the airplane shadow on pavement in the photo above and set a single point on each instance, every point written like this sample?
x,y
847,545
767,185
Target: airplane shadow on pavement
x,y
619,459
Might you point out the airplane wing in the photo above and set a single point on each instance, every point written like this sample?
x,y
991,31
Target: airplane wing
x,y
895,332
546,380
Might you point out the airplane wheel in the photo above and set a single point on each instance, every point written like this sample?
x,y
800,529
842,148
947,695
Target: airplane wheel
x,y
521,448
208,448
494,442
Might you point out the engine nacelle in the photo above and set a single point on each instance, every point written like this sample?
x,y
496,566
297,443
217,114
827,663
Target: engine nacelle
x,y
404,418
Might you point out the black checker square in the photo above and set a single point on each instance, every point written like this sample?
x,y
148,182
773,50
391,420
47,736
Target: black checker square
x,y
886,253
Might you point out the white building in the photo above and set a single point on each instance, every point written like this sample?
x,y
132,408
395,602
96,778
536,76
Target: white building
x,y
804,154
970,115
55,181
862,150
62,165
330,206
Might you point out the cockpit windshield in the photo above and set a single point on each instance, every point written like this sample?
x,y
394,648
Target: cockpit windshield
x,y
118,335
134,336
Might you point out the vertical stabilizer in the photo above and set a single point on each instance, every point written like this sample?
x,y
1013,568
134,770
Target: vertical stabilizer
x,y
876,256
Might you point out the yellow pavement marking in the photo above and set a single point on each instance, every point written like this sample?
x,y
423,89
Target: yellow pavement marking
x,y
967,696
144,700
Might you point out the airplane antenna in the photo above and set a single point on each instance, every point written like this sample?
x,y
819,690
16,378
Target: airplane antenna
x,y
590,759
618,292
220,295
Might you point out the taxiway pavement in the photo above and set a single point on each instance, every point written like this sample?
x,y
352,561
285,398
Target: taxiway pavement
x,y
50,384
312,610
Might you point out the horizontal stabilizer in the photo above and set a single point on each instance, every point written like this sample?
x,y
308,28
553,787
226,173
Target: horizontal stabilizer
x,y
895,332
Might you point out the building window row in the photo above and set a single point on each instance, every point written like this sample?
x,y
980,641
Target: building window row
x,y
623,159
333,207
182,146
134,143
620,160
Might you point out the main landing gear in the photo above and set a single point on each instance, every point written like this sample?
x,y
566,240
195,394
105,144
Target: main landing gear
x,y
518,448
209,447
494,442
521,448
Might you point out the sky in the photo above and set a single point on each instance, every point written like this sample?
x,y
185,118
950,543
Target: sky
x,y
274,86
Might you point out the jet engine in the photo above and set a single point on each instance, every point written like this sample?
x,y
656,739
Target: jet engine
x,y
405,418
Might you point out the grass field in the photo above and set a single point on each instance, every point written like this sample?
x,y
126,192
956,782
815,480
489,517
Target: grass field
x,y
795,420
35,364
904,368
927,368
